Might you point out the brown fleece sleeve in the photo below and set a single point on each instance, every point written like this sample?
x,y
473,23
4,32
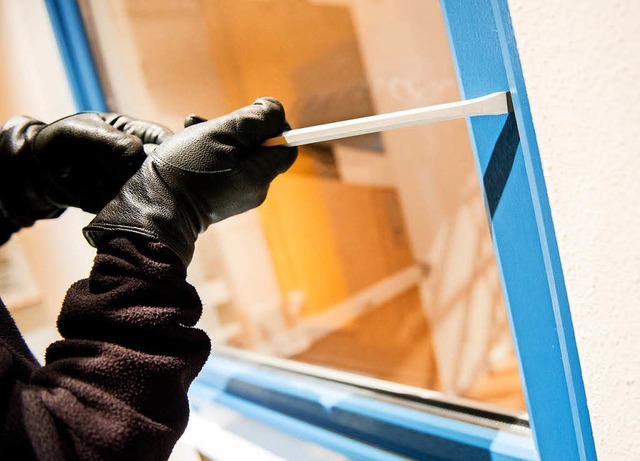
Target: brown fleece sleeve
x,y
116,386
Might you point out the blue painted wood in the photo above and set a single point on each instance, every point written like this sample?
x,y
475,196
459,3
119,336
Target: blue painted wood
x,y
75,51
354,449
487,60
395,429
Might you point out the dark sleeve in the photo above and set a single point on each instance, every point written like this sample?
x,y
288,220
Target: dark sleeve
x,y
116,386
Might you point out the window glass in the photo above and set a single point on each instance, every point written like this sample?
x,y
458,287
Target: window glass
x,y
373,254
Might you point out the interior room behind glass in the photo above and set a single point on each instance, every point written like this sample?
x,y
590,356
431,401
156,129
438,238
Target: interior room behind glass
x,y
373,254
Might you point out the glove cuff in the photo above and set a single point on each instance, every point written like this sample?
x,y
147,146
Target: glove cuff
x,y
146,206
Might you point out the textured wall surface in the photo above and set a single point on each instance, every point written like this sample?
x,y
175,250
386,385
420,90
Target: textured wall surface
x,y
581,63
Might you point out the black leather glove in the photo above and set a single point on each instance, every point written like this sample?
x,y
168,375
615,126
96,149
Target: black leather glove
x,y
79,161
209,172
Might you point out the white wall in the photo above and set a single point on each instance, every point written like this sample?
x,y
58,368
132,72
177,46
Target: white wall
x,y
33,80
581,63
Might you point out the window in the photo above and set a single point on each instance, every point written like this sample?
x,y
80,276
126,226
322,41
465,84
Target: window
x,y
372,256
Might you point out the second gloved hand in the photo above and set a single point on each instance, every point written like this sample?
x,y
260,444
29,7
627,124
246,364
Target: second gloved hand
x,y
209,172
78,161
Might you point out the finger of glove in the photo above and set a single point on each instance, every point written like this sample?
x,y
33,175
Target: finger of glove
x,y
148,132
249,126
85,135
87,159
119,153
272,161
125,145
193,119
225,142
278,159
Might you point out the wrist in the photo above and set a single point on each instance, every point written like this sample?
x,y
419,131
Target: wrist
x,y
139,251
146,206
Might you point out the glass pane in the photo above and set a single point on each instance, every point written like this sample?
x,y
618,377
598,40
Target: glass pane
x,y
373,254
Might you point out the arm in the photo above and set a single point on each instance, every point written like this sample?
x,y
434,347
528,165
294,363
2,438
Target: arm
x,y
115,387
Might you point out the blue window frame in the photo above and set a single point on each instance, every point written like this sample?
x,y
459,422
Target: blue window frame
x,y
353,420
484,47
75,52
362,426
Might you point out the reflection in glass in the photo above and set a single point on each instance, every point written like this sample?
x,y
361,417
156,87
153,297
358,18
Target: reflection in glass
x,y
373,254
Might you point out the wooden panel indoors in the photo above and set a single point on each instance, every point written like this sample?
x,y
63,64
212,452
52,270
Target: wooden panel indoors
x,y
330,240
392,342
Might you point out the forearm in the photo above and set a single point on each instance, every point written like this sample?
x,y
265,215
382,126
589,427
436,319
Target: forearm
x,y
115,387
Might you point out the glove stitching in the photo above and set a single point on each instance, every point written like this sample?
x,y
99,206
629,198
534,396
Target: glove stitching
x,y
182,171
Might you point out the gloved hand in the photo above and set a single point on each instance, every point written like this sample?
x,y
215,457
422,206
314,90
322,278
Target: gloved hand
x,y
210,171
78,161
